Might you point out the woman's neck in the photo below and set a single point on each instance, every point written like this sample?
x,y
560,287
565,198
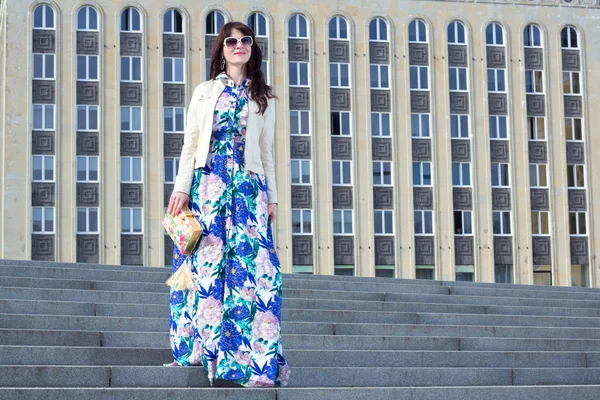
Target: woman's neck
x,y
237,73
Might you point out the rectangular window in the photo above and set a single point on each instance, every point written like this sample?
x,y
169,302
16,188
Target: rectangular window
x,y
540,224
342,222
300,172
301,222
131,220
463,223
171,168
43,168
419,124
342,172
459,126
537,128
498,129
42,220
419,78
339,75
131,119
423,222
425,272
380,124
500,176
43,66
173,71
496,81
461,174
575,176
299,123
573,129
87,220
131,169
384,222
380,76
577,223
382,173
340,123
87,168
298,73
131,69
542,275
571,83
43,117
465,273
534,82
458,79
173,118
503,273
87,68
580,275
538,175
501,221
421,174
87,118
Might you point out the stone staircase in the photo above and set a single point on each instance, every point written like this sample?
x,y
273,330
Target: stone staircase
x,y
84,331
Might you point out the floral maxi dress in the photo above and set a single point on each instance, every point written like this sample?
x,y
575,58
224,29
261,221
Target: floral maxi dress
x,y
230,322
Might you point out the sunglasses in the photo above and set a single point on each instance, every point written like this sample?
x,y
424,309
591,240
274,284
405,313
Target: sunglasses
x,y
232,42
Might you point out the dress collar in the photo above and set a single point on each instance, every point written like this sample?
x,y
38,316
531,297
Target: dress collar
x,y
229,82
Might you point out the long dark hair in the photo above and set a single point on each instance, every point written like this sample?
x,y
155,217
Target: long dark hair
x,y
258,90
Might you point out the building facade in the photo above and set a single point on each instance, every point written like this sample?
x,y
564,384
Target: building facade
x,y
415,139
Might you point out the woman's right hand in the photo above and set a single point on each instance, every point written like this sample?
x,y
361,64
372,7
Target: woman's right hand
x,y
176,202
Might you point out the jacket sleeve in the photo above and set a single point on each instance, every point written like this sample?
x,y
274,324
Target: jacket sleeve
x,y
183,182
266,153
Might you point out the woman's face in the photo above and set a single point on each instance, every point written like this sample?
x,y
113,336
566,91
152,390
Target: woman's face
x,y
238,55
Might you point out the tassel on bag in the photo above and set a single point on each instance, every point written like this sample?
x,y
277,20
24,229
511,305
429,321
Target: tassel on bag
x,y
182,278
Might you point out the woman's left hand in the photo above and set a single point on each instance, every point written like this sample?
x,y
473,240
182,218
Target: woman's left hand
x,y
272,209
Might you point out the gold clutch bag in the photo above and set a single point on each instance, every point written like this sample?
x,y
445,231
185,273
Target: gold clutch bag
x,y
185,230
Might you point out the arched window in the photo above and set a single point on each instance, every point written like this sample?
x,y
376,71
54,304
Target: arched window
x,y
532,36
417,31
456,33
131,20
43,17
338,28
494,35
298,27
214,22
87,19
172,22
568,38
258,23
378,30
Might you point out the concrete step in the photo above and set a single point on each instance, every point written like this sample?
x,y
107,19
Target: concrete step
x,y
300,315
142,324
295,341
71,355
590,392
116,297
305,282
145,376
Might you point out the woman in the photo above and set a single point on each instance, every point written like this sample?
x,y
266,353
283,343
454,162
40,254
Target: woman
x,y
230,321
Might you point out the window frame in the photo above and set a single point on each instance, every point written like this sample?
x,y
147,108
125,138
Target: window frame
x,y
571,82
535,169
301,212
577,220
343,118
385,214
255,16
461,178
573,172
529,35
88,111
531,81
502,214
130,160
87,230
533,128
173,127
338,36
569,30
343,213
87,28
304,165
342,165
463,222
379,116
495,26
537,223
44,57
43,220
500,167
454,25
458,120
574,130
419,83
298,34
378,21
420,117
424,216
132,211
88,68
43,158
380,172
455,78
418,25
299,69
300,123
130,20
495,83
45,112
173,61
173,168
174,12
130,72
44,8
340,79
131,114
422,173
87,169
378,75
497,125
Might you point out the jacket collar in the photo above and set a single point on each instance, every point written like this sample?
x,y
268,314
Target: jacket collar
x,y
227,81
